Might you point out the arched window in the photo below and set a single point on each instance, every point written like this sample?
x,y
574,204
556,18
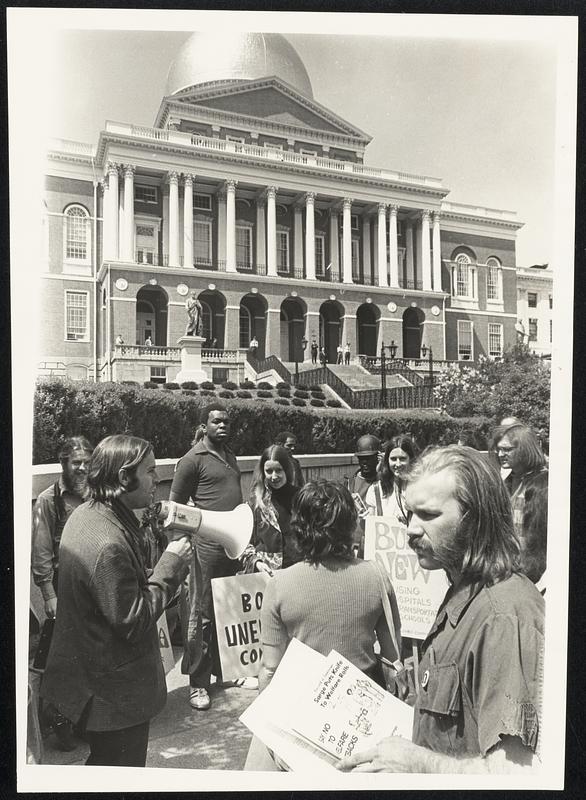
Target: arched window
x,y
463,276
76,234
493,279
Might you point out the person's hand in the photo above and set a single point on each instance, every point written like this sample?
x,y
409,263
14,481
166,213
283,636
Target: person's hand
x,y
260,566
51,607
181,547
393,754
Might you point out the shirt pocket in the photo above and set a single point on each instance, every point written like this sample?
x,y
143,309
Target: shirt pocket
x,y
439,690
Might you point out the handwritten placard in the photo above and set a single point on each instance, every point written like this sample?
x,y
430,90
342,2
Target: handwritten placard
x,y
419,591
237,607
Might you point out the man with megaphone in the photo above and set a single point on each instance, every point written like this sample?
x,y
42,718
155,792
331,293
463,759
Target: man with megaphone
x,y
209,476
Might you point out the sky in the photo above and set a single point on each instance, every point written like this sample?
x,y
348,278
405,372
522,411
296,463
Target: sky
x,y
478,114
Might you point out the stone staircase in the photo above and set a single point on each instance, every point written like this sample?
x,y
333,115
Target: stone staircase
x,y
357,378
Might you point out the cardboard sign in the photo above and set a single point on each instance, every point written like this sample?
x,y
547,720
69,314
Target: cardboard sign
x,y
165,646
237,606
419,591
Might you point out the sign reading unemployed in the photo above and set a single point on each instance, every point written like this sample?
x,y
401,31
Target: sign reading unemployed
x,y
237,605
419,591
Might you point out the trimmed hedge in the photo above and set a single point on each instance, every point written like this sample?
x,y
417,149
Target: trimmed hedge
x,y
189,385
284,393
318,395
301,393
229,385
226,393
243,394
207,393
283,385
207,385
247,385
168,419
297,401
333,404
170,385
263,393
265,385
315,388
150,385
317,403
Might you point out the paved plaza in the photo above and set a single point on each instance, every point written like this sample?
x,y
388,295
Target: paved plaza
x,y
183,738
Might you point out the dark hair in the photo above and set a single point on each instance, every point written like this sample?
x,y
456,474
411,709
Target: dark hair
x,y
257,485
406,443
485,547
323,520
282,437
110,456
529,453
534,537
207,410
72,444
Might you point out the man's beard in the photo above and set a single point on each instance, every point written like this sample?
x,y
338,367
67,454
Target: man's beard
x,y
77,484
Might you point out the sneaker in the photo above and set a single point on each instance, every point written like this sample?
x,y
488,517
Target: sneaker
x,y
199,698
246,683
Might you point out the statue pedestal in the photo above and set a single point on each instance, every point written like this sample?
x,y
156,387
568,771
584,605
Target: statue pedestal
x,y
191,369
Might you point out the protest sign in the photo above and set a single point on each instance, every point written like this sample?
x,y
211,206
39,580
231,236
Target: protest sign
x,y
165,646
237,606
419,591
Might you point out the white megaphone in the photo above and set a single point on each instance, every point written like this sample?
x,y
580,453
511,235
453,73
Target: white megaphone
x,y
230,529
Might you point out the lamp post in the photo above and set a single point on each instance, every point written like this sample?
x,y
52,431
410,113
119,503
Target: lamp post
x,y
303,347
425,350
392,348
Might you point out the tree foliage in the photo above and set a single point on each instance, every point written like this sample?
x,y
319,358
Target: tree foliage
x,y
517,385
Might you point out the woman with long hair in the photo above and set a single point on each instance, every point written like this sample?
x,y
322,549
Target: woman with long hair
x,y
525,476
385,496
272,492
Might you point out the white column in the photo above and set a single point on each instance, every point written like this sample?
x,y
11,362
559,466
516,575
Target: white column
x,y
261,249
425,254
188,220
347,240
298,238
409,255
231,226
437,253
128,249
173,179
272,231
366,259
222,229
382,245
393,246
310,236
375,251
111,213
334,246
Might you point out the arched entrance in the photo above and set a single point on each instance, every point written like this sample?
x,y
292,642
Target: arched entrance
x,y
213,305
292,329
330,329
367,317
151,315
253,309
413,319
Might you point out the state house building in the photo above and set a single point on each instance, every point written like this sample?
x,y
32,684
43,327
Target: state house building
x,y
251,193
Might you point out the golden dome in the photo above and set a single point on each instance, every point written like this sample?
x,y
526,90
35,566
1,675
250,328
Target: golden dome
x,y
225,56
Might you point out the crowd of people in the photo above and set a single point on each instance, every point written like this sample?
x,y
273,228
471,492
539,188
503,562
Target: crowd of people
x,y
106,577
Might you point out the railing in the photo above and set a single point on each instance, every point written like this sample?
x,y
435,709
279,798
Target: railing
x,y
147,352
408,284
266,364
221,356
70,146
283,156
330,275
151,259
